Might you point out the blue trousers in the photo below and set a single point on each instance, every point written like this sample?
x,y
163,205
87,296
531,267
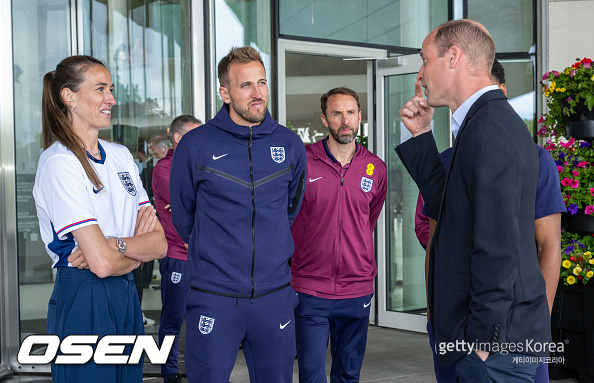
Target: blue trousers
x,y
448,374
84,304
344,322
174,296
264,327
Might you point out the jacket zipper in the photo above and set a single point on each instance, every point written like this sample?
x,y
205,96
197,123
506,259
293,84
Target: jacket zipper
x,y
253,215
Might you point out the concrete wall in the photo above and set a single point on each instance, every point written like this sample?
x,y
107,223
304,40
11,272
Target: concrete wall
x,y
569,32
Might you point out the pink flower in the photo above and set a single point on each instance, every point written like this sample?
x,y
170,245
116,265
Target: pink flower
x,y
586,64
566,181
550,147
573,72
545,76
569,143
575,184
541,120
575,173
542,132
589,209
560,169
592,191
555,73
582,164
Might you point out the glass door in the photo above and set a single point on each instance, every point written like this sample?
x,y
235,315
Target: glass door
x,y
401,258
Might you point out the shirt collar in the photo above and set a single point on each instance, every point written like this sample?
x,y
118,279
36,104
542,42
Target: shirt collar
x,y
460,114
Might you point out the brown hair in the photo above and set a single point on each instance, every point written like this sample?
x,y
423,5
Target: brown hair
x,y
472,38
56,125
342,90
243,55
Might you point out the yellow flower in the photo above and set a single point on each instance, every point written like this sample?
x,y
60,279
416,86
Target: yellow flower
x,y
566,71
593,77
591,261
589,274
588,255
560,90
577,270
570,280
566,263
552,87
547,93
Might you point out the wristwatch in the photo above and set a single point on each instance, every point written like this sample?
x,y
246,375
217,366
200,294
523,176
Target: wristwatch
x,y
120,244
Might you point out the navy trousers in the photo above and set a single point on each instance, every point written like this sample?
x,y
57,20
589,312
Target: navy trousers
x,y
498,368
344,322
83,304
264,327
174,296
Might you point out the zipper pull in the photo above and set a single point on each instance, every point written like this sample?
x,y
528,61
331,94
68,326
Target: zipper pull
x,y
342,181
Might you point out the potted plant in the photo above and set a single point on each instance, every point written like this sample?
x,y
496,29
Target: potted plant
x,y
570,100
575,163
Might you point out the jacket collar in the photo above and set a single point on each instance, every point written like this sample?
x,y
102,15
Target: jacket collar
x,y
224,122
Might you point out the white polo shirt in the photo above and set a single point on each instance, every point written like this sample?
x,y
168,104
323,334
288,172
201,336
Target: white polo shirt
x,y
67,200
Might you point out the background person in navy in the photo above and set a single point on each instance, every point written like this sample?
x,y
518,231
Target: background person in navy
x,y
236,188
485,284
334,263
94,216
174,279
547,227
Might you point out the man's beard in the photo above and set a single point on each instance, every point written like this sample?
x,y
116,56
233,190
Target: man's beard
x,y
343,138
254,118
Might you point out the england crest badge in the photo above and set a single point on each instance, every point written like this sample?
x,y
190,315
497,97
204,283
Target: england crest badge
x,y
277,153
206,324
175,277
366,184
127,183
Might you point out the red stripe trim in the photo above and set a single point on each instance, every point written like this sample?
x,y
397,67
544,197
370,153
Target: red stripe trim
x,y
76,223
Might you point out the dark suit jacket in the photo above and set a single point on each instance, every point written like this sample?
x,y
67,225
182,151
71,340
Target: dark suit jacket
x,y
485,284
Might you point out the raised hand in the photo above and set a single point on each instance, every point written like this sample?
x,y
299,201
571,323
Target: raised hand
x,y
416,114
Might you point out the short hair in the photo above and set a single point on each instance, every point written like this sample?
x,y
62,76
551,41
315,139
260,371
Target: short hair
x,y
243,55
472,38
180,121
161,140
341,90
498,73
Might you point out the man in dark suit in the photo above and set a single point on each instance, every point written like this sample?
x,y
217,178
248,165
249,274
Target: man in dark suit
x,y
486,294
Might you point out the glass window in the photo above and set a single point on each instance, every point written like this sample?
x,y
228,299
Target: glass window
x,y
397,23
510,22
405,284
519,75
146,47
41,39
241,23
308,77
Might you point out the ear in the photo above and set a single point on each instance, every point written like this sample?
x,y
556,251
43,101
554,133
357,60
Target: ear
x,y
67,96
455,54
503,88
324,121
359,117
177,138
224,95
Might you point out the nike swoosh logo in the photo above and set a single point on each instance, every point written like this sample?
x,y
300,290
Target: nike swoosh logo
x,y
365,305
95,190
217,157
315,179
282,326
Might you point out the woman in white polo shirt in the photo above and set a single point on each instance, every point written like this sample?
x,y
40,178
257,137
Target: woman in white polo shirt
x,y
94,217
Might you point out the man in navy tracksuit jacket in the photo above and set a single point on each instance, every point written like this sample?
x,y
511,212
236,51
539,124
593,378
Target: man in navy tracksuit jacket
x,y
236,189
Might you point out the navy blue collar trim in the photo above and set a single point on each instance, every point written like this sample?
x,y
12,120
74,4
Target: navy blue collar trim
x,y
329,153
102,160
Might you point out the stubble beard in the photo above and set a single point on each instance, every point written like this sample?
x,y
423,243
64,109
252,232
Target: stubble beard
x,y
246,114
343,138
